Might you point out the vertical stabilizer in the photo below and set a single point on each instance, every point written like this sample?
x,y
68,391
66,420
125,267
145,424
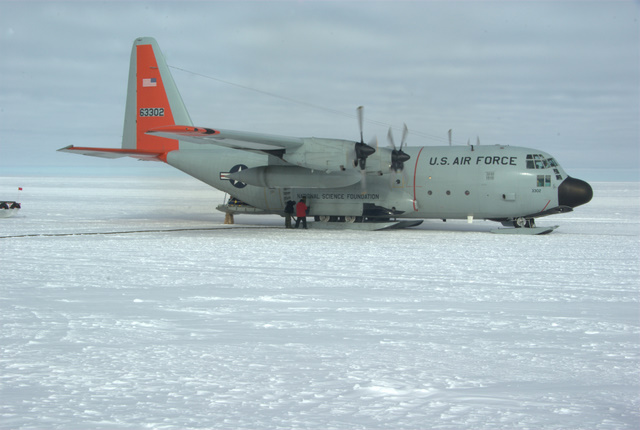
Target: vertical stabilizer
x,y
153,99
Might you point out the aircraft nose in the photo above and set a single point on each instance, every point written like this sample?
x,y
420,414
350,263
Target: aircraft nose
x,y
574,192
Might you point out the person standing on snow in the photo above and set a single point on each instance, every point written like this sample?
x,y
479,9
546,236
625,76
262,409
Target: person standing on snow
x,y
301,212
288,213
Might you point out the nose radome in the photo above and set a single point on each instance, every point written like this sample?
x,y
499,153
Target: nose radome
x,y
574,192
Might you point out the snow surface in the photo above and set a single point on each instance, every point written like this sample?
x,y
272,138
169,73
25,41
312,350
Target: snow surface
x,y
445,326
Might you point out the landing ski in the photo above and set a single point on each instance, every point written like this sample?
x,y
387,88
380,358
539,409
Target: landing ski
x,y
364,226
528,231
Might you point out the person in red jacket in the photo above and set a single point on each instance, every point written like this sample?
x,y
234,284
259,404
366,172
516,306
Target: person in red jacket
x,y
301,212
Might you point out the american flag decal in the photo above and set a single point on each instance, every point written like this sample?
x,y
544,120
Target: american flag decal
x,y
149,82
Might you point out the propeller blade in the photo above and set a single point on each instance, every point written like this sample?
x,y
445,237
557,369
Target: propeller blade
x,y
373,145
363,181
398,156
450,137
360,112
405,133
390,138
362,149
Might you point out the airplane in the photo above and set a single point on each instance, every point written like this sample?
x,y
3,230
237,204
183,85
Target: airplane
x,y
345,182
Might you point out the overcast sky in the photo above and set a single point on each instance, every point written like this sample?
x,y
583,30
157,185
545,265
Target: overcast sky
x,y
562,77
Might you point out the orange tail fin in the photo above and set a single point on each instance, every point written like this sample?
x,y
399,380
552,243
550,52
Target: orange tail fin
x,y
153,100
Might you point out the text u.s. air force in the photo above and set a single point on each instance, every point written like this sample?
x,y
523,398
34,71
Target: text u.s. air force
x,y
474,161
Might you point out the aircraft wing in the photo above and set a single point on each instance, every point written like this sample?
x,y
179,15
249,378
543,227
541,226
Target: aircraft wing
x,y
112,152
231,139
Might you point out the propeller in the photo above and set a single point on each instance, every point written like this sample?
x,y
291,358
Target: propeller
x,y
362,149
398,156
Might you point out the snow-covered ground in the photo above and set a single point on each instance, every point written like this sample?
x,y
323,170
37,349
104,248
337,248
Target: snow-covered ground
x,y
445,326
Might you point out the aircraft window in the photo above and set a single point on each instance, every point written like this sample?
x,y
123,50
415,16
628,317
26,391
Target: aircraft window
x,y
540,161
537,161
530,161
552,162
543,181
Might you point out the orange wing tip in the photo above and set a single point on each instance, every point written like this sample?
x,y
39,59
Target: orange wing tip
x,y
184,130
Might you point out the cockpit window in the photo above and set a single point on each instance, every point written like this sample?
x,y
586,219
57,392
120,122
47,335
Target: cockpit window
x,y
538,161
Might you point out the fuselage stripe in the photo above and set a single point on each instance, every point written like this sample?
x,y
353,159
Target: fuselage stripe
x,y
545,206
415,173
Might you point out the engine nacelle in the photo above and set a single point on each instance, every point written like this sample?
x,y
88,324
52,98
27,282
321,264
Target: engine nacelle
x,y
331,155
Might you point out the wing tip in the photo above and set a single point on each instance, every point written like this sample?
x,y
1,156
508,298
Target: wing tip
x,y
115,153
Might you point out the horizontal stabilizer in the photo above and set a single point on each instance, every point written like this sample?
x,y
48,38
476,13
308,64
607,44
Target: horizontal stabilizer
x,y
112,153
227,138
